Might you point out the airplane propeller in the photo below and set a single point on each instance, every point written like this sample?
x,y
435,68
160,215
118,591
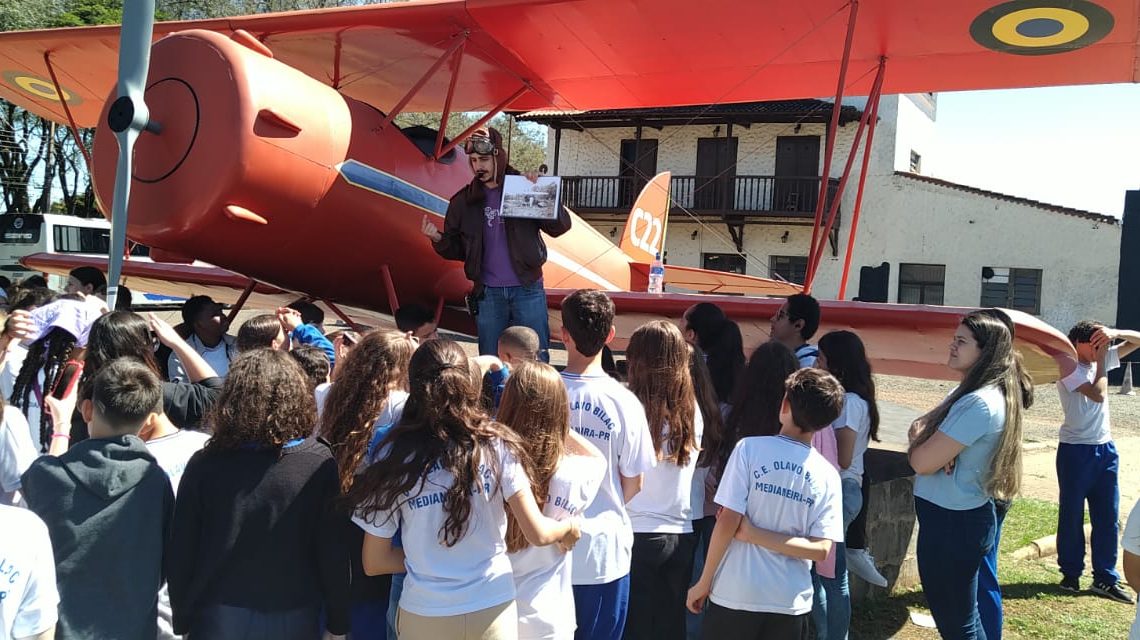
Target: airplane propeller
x,y
128,117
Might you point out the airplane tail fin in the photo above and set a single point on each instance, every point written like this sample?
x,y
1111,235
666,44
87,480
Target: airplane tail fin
x,y
644,234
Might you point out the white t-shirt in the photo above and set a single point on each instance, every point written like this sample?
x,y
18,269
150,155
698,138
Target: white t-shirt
x,y
173,452
665,504
856,416
13,362
1086,421
475,573
607,414
1130,542
218,357
17,452
543,592
29,601
320,394
781,485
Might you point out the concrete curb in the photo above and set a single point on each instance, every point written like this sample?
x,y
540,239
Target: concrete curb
x,y
1043,547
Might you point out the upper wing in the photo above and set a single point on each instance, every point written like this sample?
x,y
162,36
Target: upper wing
x,y
598,54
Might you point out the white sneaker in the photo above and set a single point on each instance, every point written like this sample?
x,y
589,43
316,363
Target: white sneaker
x,y
862,564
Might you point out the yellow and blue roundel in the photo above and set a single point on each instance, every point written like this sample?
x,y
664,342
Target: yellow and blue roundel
x,y
1041,27
34,85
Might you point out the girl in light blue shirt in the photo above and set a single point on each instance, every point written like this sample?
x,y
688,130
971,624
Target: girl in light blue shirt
x,y
966,452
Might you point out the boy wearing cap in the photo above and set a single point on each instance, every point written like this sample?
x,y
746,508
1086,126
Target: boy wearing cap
x,y
503,257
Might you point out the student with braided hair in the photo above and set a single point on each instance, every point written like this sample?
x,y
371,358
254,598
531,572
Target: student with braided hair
x,y
53,365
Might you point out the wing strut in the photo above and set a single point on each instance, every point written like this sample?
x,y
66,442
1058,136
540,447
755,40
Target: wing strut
x,y
71,124
390,288
342,315
832,129
460,39
833,208
874,106
457,62
245,294
482,121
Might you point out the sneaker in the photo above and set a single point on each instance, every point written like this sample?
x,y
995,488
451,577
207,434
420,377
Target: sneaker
x,y
1112,592
862,564
1072,584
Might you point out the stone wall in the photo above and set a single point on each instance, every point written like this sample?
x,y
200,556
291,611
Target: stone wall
x,y
891,528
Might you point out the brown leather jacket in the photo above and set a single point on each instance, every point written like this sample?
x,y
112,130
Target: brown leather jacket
x,y
462,236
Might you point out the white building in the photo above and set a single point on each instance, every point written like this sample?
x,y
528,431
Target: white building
x,y
745,185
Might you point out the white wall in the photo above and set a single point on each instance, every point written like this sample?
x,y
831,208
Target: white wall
x,y
903,220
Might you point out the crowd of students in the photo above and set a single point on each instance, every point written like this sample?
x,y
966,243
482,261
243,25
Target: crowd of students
x,y
380,485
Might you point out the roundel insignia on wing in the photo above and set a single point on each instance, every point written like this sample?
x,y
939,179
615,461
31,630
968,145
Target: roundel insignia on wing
x,y
39,87
1041,27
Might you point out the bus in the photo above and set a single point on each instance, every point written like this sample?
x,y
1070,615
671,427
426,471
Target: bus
x,y
22,234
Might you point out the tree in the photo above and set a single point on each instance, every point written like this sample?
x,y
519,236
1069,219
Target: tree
x,y
526,143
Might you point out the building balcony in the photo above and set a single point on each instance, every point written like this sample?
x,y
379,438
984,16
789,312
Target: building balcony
x,y
734,198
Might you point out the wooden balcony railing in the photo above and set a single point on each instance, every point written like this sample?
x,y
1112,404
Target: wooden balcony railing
x,y
741,195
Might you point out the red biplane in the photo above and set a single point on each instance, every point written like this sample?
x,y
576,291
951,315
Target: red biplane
x,y
270,148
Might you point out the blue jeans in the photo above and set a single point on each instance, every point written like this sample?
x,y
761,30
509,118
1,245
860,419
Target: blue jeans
x,y
1088,472
503,307
831,600
703,530
951,548
989,591
601,609
394,602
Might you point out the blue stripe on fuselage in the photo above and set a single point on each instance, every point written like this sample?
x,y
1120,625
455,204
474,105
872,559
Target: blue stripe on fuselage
x,y
361,175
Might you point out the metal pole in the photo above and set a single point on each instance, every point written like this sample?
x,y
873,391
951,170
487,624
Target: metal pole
x,y
833,210
859,194
833,127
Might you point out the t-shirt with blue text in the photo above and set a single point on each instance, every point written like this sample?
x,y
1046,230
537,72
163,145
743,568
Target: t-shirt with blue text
x,y
543,590
1086,420
474,573
497,268
781,485
29,601
975,421
607,414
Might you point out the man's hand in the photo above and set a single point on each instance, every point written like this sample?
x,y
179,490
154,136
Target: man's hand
x,y
533,176
429,229
290,319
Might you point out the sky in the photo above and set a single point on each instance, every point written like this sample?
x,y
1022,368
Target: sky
x,y
1072,146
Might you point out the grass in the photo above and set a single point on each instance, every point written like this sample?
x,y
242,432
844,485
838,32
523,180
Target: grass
x,y
1033,604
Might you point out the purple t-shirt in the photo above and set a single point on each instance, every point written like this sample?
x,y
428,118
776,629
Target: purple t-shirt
x,y
497,268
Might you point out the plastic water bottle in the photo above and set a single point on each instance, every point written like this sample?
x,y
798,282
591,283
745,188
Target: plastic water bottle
x,y
656,276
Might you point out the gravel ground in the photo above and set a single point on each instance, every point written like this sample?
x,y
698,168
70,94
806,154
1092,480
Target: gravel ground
x,y
1041,421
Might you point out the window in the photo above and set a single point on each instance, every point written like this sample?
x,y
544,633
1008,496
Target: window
x,y
790,268
915,162
1012,288
730,262
81,240
921,283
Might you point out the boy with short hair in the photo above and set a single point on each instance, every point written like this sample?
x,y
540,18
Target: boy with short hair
x,y
417,320
794,324
516,345
607,414
107,505
1087,462
782,510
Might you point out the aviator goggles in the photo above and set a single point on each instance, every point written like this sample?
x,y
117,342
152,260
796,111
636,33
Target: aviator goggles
x,y
479,146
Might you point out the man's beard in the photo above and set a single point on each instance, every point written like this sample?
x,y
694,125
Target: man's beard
x,y
484,176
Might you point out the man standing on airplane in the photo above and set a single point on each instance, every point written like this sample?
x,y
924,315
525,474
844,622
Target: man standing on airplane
x,y
503,257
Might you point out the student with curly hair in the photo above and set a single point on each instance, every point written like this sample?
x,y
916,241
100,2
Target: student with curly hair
x,y
565,472
257,548
445,477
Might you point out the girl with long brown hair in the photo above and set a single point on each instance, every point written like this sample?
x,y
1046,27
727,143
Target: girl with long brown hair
x,y
565,472
967,452
662,560
441,478
366,400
